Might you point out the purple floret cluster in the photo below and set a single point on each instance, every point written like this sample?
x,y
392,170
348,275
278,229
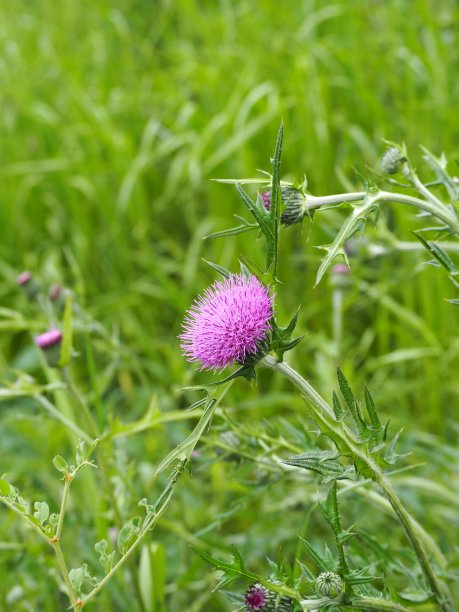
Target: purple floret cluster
x,y
227,323
50,338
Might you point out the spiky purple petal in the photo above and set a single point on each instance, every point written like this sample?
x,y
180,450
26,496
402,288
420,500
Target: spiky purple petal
x,y
227,323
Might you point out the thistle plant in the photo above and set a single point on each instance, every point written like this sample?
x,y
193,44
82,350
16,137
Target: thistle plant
x,y
360,438
235,324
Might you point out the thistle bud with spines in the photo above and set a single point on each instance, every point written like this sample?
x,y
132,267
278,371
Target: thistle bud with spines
x,y
329,584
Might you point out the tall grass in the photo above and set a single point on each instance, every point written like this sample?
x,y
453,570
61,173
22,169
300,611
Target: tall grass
x,y
115,116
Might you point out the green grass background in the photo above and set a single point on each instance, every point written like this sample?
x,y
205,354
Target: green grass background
x,y
115,118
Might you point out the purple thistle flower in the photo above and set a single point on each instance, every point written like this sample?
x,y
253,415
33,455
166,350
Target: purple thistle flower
x,y
227,323
50,338
256,597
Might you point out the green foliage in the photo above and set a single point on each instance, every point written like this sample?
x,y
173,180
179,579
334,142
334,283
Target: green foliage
x,y
107,157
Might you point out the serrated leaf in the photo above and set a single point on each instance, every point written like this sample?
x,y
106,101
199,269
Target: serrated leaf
x,y
337,408
352,404
316,557
324,463
351,225
233,231
330,509
260,215
440,255
371,409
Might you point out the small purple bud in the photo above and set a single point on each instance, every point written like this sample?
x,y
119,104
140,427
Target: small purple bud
x,y
50,338
340,276
294,202
28,284
55,293
341,268
50,344
24,278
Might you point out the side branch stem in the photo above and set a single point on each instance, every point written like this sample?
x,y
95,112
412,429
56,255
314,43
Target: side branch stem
x,y
321,409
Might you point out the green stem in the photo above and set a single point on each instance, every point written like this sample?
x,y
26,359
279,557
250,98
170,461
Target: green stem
x,y
104,467
65,496
25,518
64,571
148,525
80,401
432,205
63,419
323,414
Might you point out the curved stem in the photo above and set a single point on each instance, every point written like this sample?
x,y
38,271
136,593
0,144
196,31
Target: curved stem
x,y
431,205
323,413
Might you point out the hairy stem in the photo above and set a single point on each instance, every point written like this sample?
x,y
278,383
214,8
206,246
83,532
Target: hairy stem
x,y
323,413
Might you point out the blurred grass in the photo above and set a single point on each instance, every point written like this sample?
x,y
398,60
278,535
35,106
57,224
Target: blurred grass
x,y
115,116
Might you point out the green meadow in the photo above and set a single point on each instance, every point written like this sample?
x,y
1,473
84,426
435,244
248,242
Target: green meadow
x,y
116,117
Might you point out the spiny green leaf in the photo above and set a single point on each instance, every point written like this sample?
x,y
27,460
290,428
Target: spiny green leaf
x,y
330,509
316,557
233,231
260,215
352,404
371,409
223,271
440,255
337,408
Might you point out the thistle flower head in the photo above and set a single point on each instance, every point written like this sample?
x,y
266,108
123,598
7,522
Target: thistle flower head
x,y
256,598
227,323
294,202
50,338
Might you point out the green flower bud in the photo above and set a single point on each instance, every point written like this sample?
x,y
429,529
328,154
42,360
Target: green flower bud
x,y
392,161
294,202
329,584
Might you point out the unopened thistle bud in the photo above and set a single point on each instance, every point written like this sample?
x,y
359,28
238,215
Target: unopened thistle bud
x,y
340,276
329,584
28,284
50,343
294,202
392,161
